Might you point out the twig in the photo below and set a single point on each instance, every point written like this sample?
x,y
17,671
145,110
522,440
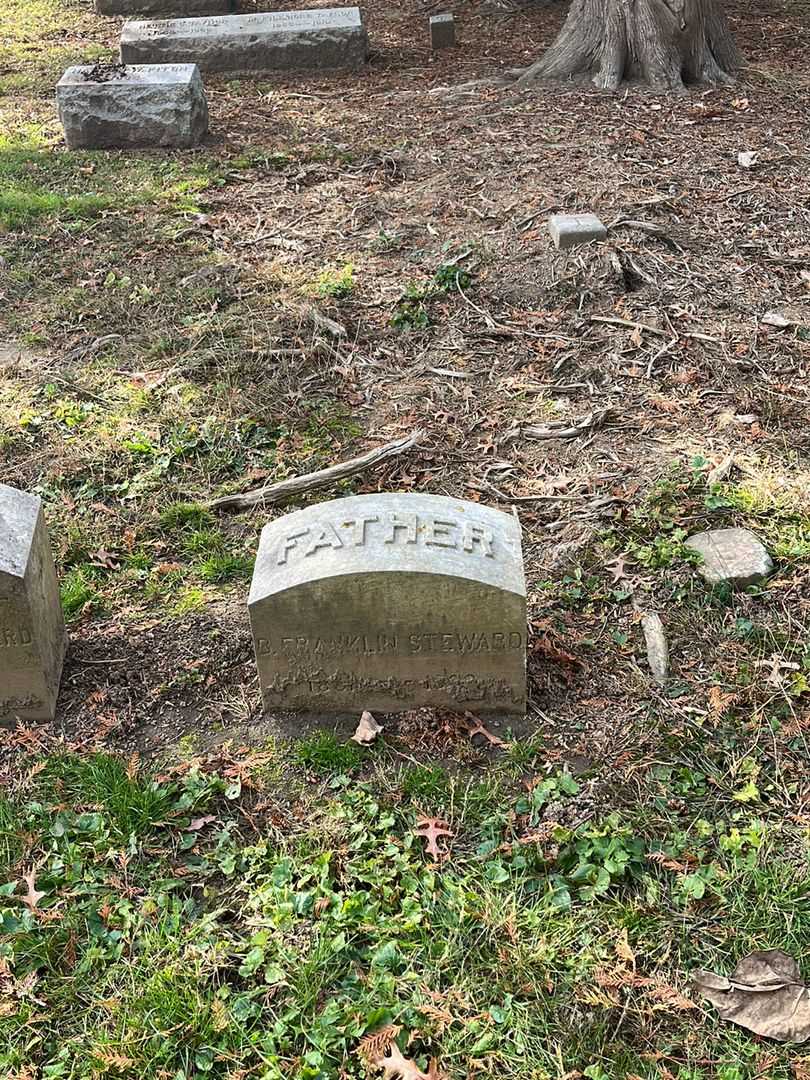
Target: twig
x,y
630,325
588,423
296,485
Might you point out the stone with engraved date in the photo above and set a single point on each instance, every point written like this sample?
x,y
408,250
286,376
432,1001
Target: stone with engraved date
x,y
390,602
32,630
265,41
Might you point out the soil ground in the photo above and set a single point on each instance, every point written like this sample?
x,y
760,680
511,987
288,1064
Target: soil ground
x,y
160,350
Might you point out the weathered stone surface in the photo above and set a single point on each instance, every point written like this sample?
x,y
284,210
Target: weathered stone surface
x,y
388,602
32,631
571,230
731,556
281,40
442,31
657,648
142,105
165,9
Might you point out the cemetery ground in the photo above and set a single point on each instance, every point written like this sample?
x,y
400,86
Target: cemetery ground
x,y
187,893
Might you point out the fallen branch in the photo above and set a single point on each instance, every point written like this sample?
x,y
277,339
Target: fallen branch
x,y
298,485
560,431
630,325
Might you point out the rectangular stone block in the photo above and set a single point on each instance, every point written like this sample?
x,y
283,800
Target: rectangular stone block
x,y
113,105
442,31
32,630
571,230
273,41
390,602
165,9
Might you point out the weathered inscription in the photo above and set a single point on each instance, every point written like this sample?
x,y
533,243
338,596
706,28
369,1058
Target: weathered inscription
x,y
15,637
390,601
319,38
472,537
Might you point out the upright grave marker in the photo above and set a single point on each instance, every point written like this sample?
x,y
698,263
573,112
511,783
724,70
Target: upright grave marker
x,y
442,31
115,105
32,631
389,602
280,40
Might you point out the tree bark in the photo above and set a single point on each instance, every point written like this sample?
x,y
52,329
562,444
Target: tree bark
x,y
665,43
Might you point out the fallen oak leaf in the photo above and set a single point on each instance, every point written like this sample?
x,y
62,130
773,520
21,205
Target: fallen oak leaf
x,y
200,823
33,895
396,1066
367,730
765,994
476,727
430,829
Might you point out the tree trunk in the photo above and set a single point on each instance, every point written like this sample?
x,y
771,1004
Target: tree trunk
x,y
664,43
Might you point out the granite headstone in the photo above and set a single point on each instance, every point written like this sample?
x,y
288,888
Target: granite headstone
x,y
32,630
390,602
129,106
280,40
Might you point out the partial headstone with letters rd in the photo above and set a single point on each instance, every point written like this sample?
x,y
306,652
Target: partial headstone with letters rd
x,y
32,630
390,602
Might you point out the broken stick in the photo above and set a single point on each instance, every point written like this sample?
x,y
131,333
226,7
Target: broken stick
x,y
298,485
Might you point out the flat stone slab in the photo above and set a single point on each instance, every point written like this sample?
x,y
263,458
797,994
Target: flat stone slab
x,y
32,630
109,106
390,602
442,31
731,556
272,41
165,9
571,230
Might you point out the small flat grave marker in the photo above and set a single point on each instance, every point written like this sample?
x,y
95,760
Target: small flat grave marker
x,y
442,31
571,230
32,630
389,602
280,40
115,105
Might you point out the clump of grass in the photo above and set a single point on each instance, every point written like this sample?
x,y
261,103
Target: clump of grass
x,y
323,753
336,284
77,593
221,568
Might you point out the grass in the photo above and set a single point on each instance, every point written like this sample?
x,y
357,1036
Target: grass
x,y
169,940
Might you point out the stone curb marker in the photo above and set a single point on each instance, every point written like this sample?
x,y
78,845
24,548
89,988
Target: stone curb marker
x,y
389,602
571,230
271,41
32,630
140,105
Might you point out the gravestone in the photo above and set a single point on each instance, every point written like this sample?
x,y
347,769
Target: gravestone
x,y
390,602
442,31
571,230
281,40
32,630
165,9
114,105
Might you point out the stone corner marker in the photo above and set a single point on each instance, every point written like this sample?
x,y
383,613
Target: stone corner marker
x,y
32,630
109,106
270,41
571,230
442,31
389,602
731,556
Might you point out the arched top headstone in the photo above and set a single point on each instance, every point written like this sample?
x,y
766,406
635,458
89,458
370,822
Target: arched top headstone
x,y
390,602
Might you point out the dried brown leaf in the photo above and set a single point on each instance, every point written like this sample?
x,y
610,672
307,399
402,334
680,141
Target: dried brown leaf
x,y
765,994
33,895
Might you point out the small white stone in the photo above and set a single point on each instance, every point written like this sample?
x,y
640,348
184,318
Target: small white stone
x,y
657,648
731,556
571,230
